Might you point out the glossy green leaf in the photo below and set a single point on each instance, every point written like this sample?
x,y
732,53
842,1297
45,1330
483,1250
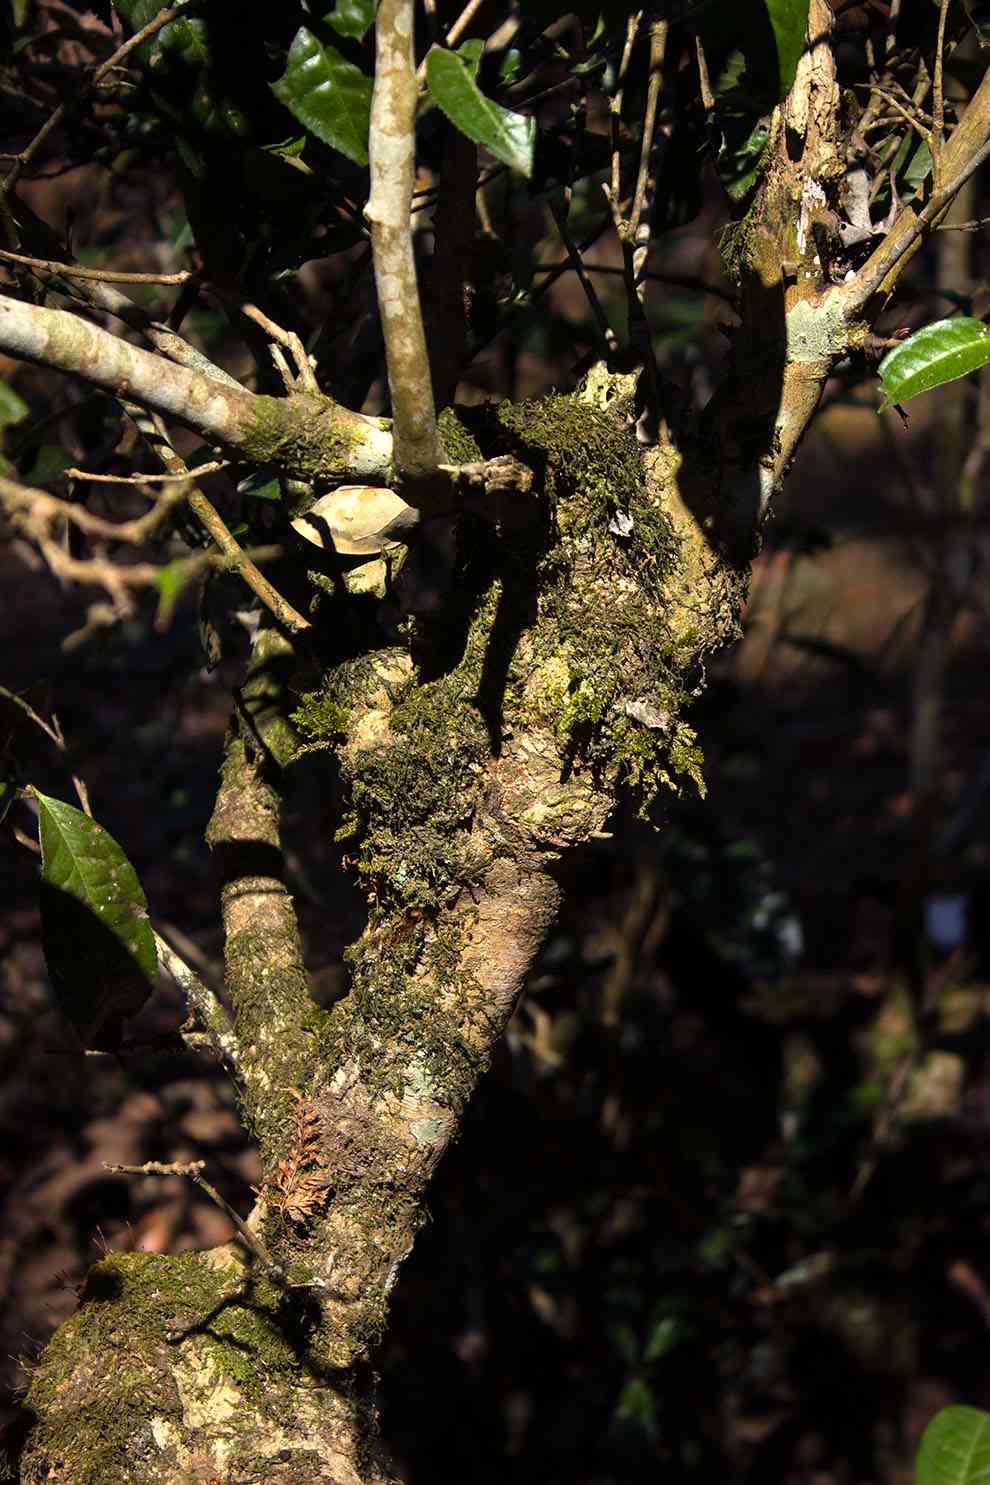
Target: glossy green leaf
x,y
327,93
955,1448
936,354
351,17
98,943
789,19
509,136
13,408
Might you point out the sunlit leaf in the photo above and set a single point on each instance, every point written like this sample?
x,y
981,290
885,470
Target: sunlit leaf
x,y
955,1448
509,136
327,93
936,354
98,943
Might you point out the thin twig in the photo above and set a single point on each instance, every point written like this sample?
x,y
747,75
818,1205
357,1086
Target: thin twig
x,y
53,730
644,183
905,113
613,193
36,510
454,35
193,1171
100,275
704,82
305,379
576,263
146,479
465,18
938,99
214,524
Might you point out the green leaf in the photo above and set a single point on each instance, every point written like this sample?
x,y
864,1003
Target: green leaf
x,y
49,463
328,94
261,486
170,581
739,163
13,408
351,17
7,796
98,943
955,1448
936,354
636,1405
789,19
509,136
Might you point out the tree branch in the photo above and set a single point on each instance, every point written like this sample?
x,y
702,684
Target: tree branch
x,y
301,434
392,160
275,1017
961,155
208,1009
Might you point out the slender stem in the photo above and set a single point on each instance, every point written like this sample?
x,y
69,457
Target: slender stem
x,y
575,261
213,523
100,275
193,1171
392,161
644,183
938,103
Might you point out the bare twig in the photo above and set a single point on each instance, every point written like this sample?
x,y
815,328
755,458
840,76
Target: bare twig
x,y
938,98
305,377
146,479
36,511
454,35
576,262
99,275
392,160
704,83
614,192
193,1171
52,730
213,523
644,182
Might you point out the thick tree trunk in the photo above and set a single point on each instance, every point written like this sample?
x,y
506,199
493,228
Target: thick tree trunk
x,y
568,643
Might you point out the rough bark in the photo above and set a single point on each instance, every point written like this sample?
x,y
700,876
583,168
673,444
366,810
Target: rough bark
x,y
549,680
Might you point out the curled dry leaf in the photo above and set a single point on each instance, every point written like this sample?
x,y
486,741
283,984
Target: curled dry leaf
x,y
357,520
